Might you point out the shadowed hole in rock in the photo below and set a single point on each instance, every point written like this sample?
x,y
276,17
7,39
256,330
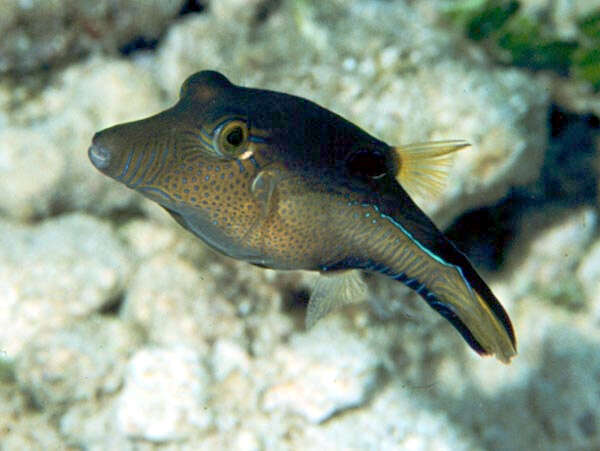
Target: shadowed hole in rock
x,y
568,178
145,43
113,306
264,10
484,234
295,300
193,6
121,216
569,172
137,44
587,424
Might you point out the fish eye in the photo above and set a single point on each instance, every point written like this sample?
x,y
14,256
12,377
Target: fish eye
x,y
367,163
231,138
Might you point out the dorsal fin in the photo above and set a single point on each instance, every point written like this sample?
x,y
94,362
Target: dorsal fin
x,y
422,168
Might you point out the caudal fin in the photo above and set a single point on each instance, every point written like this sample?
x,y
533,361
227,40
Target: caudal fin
x,y
476,313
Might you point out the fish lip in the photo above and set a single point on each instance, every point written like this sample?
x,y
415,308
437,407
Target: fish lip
x,y
99,156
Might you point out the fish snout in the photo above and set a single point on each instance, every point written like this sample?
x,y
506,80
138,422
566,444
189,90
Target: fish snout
x,y
99,155
112,152
130,151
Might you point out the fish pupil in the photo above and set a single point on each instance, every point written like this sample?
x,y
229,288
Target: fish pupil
x,y
235,137
367,163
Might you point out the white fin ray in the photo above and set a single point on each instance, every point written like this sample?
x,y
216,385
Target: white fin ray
x,y
332,291
423,168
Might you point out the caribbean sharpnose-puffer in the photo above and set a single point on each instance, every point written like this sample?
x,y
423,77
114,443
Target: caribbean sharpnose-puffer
x,y
280,182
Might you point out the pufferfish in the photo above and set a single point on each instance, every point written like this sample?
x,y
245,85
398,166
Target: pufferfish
x,y
283,183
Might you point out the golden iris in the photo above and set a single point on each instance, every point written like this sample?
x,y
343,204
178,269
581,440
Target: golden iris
x,y
231,138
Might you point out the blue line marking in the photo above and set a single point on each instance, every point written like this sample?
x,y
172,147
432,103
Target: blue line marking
x,y
126,168
148,166
423,248
204,139
257,139
225,121
410,282
136,169
155,190
163,161
254,162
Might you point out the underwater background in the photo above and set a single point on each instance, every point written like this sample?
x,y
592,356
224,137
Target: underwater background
x,y
120,330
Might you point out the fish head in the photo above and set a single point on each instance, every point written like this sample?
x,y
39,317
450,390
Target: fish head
x,y
200,126
198,159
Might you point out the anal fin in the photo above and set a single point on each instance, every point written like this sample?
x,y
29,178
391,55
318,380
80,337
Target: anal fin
x,y
332,291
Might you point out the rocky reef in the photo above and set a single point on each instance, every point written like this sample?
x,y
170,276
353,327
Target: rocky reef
x,y
120,330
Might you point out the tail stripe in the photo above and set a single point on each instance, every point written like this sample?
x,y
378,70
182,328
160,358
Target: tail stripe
x,y
442,309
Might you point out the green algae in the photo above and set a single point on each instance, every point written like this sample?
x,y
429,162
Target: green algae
x,y
512,37
7,370
566,293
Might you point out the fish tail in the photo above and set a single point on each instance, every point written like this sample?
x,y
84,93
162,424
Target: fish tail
x,y
479,318
422,168
456,292
423,260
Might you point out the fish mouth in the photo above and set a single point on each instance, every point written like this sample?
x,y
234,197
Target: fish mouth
x,y
99,156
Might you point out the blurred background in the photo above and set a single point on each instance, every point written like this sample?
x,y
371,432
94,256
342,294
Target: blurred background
x,y
120,330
